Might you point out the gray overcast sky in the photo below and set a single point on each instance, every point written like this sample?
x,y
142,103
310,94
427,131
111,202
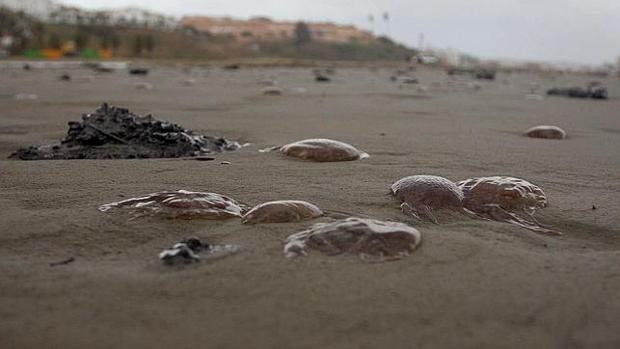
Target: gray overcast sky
x,y
586,31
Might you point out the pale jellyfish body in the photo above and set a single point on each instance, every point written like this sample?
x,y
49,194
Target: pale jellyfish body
x,y
422,194
273,90
282,211
371,240
547,132
322,150
505,199
179,204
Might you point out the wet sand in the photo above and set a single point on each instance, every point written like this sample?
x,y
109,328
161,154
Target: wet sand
x,y
470,284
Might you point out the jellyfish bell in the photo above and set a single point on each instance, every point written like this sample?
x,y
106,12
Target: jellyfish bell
x,y
505,199
421,194
273,90
547,132
282,211
322,150
372,240
181,204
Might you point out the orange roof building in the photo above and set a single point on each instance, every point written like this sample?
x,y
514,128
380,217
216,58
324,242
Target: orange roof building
x,y
265,29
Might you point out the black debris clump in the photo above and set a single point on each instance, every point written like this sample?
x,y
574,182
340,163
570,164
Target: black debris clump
x,y
322,76
116,133
184,252
138,71
485,74
232,67
593,90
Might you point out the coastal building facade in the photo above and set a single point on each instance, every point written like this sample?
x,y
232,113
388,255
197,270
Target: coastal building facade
x,y
265,29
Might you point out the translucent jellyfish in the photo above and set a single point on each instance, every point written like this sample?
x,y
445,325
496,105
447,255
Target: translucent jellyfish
x,y
548,132
193,250
179,204
505,199
423,193
321,150
273,90
371,240
282,212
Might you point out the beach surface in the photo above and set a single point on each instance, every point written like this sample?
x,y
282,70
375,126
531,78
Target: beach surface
x,y
471,284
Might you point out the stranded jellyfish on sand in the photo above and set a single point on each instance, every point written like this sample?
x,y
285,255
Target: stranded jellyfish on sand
x,y
282,212
321,150
179,204
423,193
505,199
548,132
371,240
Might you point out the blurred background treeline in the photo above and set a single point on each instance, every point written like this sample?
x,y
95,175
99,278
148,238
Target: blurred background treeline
x,y
25,36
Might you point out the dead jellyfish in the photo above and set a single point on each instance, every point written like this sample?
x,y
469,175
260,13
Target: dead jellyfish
x,y
181,204
371,240
282,212
194,250
321,150
273,91
505,199
421,194
548,132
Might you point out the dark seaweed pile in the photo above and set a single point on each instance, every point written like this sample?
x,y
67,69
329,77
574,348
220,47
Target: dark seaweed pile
x,y
116,133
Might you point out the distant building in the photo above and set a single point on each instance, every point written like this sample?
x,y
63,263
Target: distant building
x,y
265,29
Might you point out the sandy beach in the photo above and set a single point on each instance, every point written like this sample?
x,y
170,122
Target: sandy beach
x,y
471,284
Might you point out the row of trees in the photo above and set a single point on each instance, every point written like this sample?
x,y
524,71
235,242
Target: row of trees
x,y
28,33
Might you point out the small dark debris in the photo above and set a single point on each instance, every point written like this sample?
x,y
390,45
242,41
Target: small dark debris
x,y
322,78
65,77
322,75
232,67
184,252
204,158
63,262
138,71
593,207
485,74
